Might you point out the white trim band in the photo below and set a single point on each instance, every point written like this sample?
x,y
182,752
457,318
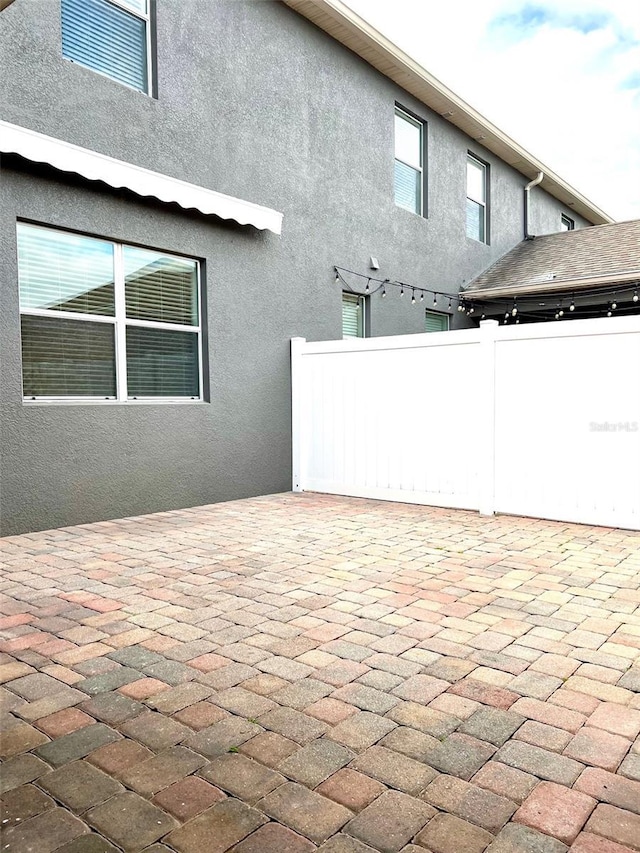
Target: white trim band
x,y
118,174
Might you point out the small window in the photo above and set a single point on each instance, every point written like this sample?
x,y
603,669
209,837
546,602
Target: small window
x,y
353,315
408,183
435,321
566,223
109,36
476,199
102,320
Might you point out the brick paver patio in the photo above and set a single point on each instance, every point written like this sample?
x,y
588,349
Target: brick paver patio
x,y
305,672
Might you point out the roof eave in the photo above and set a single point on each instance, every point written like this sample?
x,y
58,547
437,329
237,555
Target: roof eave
x,y
348,28
531,289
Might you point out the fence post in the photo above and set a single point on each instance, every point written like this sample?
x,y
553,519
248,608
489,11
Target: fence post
x,y
487,416
297,345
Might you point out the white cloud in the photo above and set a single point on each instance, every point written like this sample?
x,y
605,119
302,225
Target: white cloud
x,y
561,79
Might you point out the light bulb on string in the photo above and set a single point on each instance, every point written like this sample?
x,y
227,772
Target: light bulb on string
x,y
384,291
367,286
609,310
401,290
514,310
572,307
413,297
449,303
435,301
635,296
422,296
337,277
614,305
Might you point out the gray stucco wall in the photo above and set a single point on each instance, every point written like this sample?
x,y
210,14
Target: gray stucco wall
x,y
255,102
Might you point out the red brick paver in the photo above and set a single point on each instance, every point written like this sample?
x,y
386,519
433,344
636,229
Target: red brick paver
x,y
555,810
303,672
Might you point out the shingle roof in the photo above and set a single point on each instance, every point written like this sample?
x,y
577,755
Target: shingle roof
x,y
603,254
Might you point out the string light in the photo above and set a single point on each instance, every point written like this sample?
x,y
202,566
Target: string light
x,y
513,306
382,284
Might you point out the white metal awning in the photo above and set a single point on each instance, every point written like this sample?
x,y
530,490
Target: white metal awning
x,y
119,174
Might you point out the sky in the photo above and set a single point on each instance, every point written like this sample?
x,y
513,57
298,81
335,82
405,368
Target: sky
x,y
560,77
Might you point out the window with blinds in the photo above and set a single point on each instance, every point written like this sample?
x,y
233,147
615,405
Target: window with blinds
x,y
435,321
109,36
408,162
102,320
353,308
476,200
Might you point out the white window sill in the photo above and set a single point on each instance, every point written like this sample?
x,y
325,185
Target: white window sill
x,y
79,401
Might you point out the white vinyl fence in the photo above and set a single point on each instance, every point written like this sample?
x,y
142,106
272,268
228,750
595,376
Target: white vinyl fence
x,y
538,420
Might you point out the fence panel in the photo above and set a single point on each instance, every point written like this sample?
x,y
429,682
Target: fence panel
x,y
567,425
378,418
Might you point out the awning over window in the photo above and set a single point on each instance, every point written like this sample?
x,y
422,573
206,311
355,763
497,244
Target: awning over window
x,y
116,173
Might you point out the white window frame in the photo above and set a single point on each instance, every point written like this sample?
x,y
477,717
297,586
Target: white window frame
x,y
143,16
420,169
363,303
444,314
482,204
120,323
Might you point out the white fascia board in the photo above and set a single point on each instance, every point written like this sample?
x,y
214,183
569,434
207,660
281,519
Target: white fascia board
x,y
531,288
119,174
